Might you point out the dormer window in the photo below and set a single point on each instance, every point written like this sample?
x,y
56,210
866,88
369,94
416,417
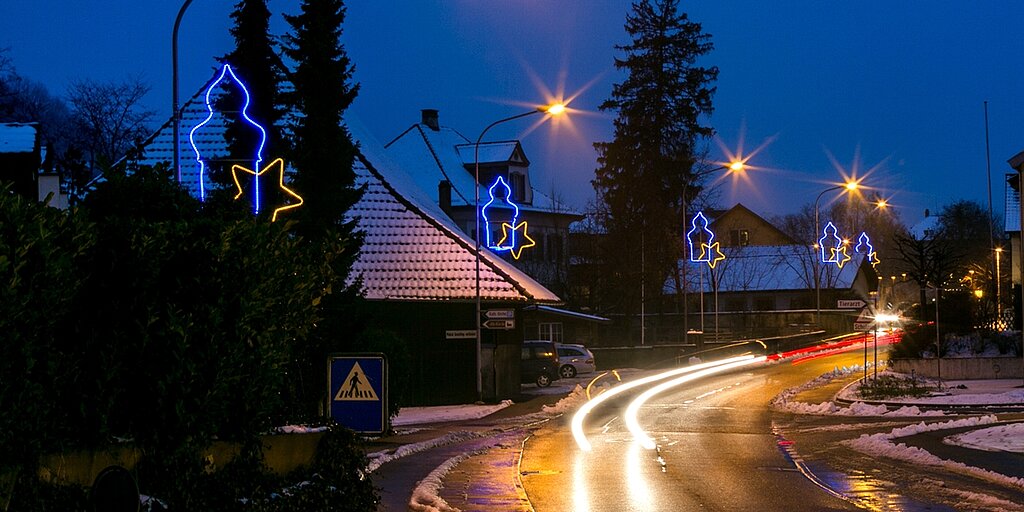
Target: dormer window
x,y
518,182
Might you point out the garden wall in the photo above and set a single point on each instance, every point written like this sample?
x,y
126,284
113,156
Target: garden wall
x,y
961,368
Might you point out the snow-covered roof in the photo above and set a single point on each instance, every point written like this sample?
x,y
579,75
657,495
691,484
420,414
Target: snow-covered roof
x,y
927,228
1011,217
18,137
568,313
490,152
431,156
771,268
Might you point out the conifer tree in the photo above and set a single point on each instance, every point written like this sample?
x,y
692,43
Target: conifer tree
x,y
255,62
324,152
643,172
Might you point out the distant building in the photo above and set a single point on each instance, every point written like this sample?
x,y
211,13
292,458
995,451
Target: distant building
x,y
1012,218
22,159
442,162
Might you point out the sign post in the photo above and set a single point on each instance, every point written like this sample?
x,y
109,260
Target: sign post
x,y
357,391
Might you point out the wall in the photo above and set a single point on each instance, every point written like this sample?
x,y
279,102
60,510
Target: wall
x,y
961,368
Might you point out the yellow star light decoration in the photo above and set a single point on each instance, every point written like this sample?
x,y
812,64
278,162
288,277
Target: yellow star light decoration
x,y
835,255
873,258
516,250
278,164
715,253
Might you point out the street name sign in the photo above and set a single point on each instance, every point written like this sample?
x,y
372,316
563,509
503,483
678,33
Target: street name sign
x,y
499,324
460,334
500,313
850,304
357,391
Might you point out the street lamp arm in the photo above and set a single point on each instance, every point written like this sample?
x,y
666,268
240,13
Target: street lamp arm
x,y
174,87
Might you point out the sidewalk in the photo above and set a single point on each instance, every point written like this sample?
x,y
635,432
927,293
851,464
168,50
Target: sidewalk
x,y
468,464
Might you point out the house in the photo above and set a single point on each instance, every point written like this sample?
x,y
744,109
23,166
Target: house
x,y
22,164
443,163
1012,218
416,267
763,282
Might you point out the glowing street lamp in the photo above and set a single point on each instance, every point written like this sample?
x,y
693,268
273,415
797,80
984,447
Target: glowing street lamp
x,y
555,109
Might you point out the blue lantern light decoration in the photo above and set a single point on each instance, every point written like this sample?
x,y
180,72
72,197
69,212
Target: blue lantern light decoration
x,y
835,250
864,246
512,240
710,251
227,75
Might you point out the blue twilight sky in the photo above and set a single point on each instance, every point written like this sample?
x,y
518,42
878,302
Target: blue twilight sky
x,y
894,87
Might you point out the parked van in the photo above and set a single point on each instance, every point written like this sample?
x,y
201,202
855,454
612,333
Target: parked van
x,y
539,363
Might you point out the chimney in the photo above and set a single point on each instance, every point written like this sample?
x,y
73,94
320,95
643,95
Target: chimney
x,y
429,118
926,213
444,194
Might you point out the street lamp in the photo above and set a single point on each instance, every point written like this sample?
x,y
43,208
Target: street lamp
x,y
736,166
849,186
555,109
999,306
174,88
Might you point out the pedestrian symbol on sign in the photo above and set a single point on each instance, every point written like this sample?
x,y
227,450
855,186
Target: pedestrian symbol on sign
x,y
356,387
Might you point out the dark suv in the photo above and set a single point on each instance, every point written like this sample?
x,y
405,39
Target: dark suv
x,y
539,363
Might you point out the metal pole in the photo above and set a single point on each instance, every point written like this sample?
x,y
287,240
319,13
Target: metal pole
x,y
175,114
817,260
476,219
875,328
991,218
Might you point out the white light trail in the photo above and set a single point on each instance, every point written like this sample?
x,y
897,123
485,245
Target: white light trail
x,y
581,414
630,417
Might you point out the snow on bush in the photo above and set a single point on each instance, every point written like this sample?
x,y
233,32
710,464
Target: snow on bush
x,y
784,401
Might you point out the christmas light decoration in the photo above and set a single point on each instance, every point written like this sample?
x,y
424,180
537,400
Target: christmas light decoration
x,y
864,246
507,242
710,251
277,164
507,230
224,72
832,249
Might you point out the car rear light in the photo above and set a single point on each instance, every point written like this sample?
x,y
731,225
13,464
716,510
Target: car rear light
x,y
589,361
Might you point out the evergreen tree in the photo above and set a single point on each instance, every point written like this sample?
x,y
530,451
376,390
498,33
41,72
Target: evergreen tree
x,y
259,67
644,172
323,156
324,152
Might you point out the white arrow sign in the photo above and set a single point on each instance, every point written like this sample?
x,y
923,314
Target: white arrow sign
x,y
850,304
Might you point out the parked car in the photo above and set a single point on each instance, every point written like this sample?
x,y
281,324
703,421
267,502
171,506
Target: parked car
x,y
574,359
539,363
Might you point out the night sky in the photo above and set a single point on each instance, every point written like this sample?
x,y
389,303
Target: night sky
x,y
891,88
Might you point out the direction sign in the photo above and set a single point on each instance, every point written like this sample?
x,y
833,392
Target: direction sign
x,y
850,304
500,313
499,324
357,391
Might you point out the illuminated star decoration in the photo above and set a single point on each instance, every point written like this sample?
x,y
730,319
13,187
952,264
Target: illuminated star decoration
x,y
224,72
277,164
507,229
834,248
864,246
509,240
710,251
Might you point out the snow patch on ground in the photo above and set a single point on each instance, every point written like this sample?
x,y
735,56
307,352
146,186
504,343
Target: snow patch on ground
x,y
955,392
1002,438
438,414
785,402
882,445
378,459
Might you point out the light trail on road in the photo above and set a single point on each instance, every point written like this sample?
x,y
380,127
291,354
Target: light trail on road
x,y
630,417
584,410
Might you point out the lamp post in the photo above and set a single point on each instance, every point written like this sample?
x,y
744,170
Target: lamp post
x,y
850,187
175,114
735,166
555,109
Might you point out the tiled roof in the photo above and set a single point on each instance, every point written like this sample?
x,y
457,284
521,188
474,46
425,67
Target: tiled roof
x,y
411,252
771,268
17,137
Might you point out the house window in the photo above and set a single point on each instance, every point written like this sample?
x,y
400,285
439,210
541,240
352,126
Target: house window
x,y
739,237
551,331
518,187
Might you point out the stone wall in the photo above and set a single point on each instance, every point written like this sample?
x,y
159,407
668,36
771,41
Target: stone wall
x,y
960,368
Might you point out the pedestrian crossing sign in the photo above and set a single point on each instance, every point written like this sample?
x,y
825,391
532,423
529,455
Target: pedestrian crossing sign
x,y
357,385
